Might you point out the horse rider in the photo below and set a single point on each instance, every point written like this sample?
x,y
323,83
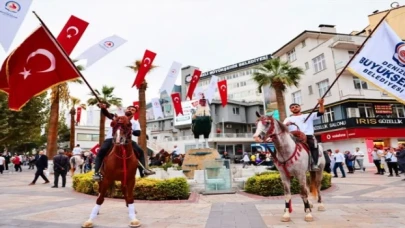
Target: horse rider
x,y
77,151
297,118
108,143
176,152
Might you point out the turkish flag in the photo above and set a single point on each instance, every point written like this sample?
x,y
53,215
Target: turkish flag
x,y
35,67
136,114
3,77
95,149
223,92
79,114
71,33
145,66
177,103
193,83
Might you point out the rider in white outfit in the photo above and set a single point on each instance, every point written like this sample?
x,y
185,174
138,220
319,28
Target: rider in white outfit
x,y
77,150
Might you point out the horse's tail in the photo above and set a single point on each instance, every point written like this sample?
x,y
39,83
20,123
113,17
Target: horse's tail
x,y
313,184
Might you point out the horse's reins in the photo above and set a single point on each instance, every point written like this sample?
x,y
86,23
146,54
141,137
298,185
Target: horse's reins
x,y
124,157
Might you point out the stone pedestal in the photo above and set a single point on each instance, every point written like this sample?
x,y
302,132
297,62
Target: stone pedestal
x,y
194,160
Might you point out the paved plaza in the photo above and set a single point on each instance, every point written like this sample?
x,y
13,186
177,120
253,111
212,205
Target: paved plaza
x,y
360,200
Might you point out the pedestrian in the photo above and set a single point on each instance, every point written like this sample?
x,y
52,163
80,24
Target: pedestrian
x,y
41,164
60,168
359,159
245,159
339,161
2,162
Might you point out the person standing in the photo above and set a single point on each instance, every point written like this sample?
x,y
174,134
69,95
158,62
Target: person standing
x,y
401,157
77,151
7,157
339,161
41,164
245,159
60,168
377,160
2,162
17,163
359,159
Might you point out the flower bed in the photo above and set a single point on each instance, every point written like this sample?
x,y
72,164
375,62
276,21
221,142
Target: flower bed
x,y
269,184
145,188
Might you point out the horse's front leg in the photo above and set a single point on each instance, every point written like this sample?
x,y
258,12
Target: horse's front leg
x,y
302,179
287,195
103,187
129,198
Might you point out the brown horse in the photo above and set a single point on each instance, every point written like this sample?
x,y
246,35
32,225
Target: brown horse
x,y
165,157
119,165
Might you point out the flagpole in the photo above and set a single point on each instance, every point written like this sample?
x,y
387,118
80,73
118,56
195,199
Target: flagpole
x,y
351,59
66,55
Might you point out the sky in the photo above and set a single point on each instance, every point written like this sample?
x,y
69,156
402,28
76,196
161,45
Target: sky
x,y
208,34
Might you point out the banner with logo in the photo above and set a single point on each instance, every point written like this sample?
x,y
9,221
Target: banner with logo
x,y
90,115
157,108
370,148
78,115
210,91
12,14
170,78
189,108
381,62
101,49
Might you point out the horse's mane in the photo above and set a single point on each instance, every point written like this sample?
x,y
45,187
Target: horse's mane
x,y
282,126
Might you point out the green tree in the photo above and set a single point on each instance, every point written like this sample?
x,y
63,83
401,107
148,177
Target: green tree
x,y
142,107
4,128
278,75
107,97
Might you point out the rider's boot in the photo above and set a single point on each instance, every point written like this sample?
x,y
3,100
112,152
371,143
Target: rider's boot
x,y
314,159
97,164
143,170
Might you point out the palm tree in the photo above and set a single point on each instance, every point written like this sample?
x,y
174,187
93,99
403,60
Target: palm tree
x,y
107,97
278,75
142,107
59,94
74,102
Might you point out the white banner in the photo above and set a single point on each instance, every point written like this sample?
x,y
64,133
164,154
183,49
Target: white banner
x,y
157,109
381,62
90,115
210,91
189,108
101,49
171,78
198,92
12,14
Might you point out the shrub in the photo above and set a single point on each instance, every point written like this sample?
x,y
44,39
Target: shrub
x,y
145,188
270,184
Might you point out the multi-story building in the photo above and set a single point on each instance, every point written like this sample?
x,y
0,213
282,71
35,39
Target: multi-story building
x,y
357,114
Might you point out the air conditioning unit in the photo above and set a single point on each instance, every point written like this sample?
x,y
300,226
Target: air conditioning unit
x,y
353,112
228,126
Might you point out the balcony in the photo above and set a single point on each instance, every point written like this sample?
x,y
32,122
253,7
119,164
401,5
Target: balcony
x,y
344,42
339,65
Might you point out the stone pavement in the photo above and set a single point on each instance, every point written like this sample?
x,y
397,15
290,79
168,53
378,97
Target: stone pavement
x,y
360,200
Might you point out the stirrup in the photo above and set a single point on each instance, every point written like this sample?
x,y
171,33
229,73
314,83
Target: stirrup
x,y
314,168
97,177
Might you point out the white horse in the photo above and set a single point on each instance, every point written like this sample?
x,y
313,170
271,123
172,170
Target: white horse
x,y
292,160
75,162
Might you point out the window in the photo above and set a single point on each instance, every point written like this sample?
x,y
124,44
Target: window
x,y
291,56
323,87
319,63
242,84
306,65
87,137
366,110
351,54
303,44
398,111
359,84
235,111
296,97
328,116
310,90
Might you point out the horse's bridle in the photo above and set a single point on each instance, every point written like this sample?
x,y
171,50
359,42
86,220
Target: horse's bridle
x,y
123,140
266,120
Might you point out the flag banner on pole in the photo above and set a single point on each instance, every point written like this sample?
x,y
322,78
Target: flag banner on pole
x,y
35,67
210,91
178,109
71,33
381,62
78,115
3,77
12,14
101,49
136,105
157,108
95,149
223,92
145,66
170,78
194,81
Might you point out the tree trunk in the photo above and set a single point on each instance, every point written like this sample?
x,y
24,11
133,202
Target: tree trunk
x,y
72,128
280,103
142,120
52,139
102,129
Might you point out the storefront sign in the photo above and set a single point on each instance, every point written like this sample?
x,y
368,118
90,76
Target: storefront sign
x,y
383,109
373,121
334,136
367,133
331,125
361,122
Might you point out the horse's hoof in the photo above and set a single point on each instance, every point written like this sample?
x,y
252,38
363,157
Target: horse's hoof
x,y
286,219
87,224
309,218
321,208
135,223
311,205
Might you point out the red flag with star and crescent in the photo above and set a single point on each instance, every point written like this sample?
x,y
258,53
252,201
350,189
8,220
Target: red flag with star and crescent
x,y
145,66
193,83
136,114
177,103
3,77
35,67
71,33
223,92
95,149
